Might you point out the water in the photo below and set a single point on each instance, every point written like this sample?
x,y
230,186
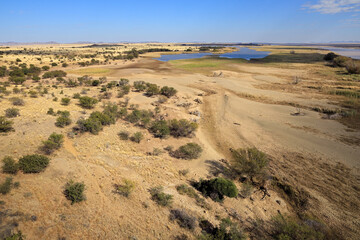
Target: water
x,y
347,52
243,52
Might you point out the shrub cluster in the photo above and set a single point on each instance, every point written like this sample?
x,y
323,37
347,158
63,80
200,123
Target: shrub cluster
x,y
217,188
160,197
126,188
137,137
183,219
9,165
5,125
250,161
17,101
65,101
54,74
33,163
225,231
74,191
12,112
5,187
87,102
63,120
182,128
187,151
54,142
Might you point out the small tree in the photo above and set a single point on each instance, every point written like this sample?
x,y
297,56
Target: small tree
x,y
168,91
87,102
65,101
140,86
5,125
33,163
159,129
217,188
9,165
152,90
74,191
251,162
54,142
187,151
137,137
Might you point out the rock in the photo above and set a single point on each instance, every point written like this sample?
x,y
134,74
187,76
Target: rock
x,y
278,202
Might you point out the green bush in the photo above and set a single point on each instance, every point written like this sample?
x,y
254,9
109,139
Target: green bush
x,y
168,91
140,86
5,125
353,67
126,188
184,189
227,230
54,74
187,151
87,102
9,165
17,80
182,128
54,142
33,163
159,129
137,137
65,101
284,228
183,219
95,83
340,61
45,68
62,121
330,56
64,65
15,236
217,188
74,191
123,82
104,119
160,197
17,101
152,90
12,112
5,187
124,135
91,125
251,162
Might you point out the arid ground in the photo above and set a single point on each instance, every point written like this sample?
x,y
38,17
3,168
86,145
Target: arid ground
x,y
285,105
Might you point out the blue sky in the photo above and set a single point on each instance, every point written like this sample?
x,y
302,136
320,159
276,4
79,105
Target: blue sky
x,y
180,21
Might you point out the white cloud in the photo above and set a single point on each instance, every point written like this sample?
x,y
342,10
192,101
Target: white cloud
x,y
335,6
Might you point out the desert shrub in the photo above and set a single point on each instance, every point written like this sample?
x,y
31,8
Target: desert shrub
x,y
182,128
140,117
74,191
95,83
9,165
45,68
246,189
250,161
5,187
63,120
184,189
140,86
104,119
17,80
65,101
51,112
54,74
76,95
159,129
33,163
183,219
54,142
12,112
17,101
15,236
134,116
353,67
217,188
125,89
137,137
123,82
124,135
287,228
160,197
156,152
162,99
184,172
187,151
91,125
330,56
112,110
16,90
227,230
54,64
87,102
64,65
168,91
126,188
5,125
340,61
152,90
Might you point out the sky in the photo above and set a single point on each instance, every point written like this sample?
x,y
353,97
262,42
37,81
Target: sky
x,y
277,21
